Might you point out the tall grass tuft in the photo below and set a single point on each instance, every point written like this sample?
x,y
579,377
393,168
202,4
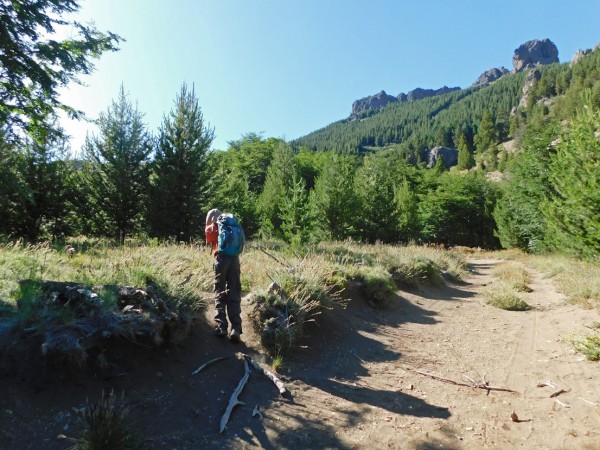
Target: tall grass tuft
x,y
514,274
105,426
503,296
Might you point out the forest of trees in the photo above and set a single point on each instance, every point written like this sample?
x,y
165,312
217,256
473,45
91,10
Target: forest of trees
x,y
361,180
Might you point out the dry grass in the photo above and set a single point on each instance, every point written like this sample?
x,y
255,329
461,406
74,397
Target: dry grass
x,y
514,274
578,280
503,296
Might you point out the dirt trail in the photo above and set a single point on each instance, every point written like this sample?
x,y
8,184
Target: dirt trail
x,y
354,385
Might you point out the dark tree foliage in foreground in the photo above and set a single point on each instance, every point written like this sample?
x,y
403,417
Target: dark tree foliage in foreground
x,y
34,65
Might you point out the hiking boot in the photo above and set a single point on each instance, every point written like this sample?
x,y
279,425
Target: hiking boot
x,y
220,332
235,336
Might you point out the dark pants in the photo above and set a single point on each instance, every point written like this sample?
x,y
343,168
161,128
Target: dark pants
x,y
228,292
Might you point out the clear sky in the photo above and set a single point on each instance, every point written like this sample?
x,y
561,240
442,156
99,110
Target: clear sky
x,y
285,68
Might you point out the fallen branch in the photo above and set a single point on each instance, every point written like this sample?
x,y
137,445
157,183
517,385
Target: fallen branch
x,y
220,358
270,375
457,383
233,401
557,393
256,412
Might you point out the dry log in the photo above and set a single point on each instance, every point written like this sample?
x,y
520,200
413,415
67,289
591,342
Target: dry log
x,y
473,385
270,375
220,358
233,401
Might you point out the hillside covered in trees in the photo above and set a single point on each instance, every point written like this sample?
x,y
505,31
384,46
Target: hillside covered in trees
x,y
363,179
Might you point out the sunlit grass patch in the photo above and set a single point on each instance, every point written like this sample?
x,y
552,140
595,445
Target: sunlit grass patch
x,y
588,345
514,274
578,280
503,296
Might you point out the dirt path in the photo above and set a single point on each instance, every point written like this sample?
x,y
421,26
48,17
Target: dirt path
x,y
354,386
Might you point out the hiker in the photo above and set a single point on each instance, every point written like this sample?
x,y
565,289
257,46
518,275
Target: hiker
x,y
226,238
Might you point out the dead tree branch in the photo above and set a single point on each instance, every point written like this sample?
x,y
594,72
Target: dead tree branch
x,y
220,358
233,401
483,386
270,375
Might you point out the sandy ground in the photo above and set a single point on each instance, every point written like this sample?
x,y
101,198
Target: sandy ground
x,y
360,382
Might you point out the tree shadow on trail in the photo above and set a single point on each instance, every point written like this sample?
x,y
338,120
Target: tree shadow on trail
x,y
335,378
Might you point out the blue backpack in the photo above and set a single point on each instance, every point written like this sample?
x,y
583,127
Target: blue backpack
x,y
231,235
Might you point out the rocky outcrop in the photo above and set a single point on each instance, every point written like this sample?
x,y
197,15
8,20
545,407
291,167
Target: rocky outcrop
x,y
381,100
533,53
578,55
377,101
489,76
532,76
420,93
449,156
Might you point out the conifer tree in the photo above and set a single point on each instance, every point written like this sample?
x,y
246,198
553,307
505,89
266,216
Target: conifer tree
x,y
572,209
43,200
117,169
278,183
34,64
179,183
334,198
465,157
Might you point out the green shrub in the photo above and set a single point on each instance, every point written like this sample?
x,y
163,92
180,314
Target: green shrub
x,y
504,297
589,345
419,270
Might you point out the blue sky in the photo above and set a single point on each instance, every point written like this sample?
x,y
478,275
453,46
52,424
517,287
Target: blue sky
x,y
285,68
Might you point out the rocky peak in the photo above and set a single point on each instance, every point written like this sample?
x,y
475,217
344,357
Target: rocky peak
x,y
377,101
533,53
579,54
489,76
420,93
382,99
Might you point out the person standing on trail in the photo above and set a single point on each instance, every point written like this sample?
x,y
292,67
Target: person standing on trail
x,y
226,238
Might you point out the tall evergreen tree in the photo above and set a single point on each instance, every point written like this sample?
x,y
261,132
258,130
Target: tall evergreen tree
x,y
296,219
572,208
486,140
334,199
519,219
279,182
179,197
375,183
117,169
12,187
43,201
465,157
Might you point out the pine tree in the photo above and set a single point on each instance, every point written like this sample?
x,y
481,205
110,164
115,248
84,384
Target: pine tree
x,y
179,182
572,209
117,169
296,222
334,199
465,157
278,183
43,208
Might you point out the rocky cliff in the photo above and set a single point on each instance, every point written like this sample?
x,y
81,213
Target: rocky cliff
x,y
382,99
533,53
